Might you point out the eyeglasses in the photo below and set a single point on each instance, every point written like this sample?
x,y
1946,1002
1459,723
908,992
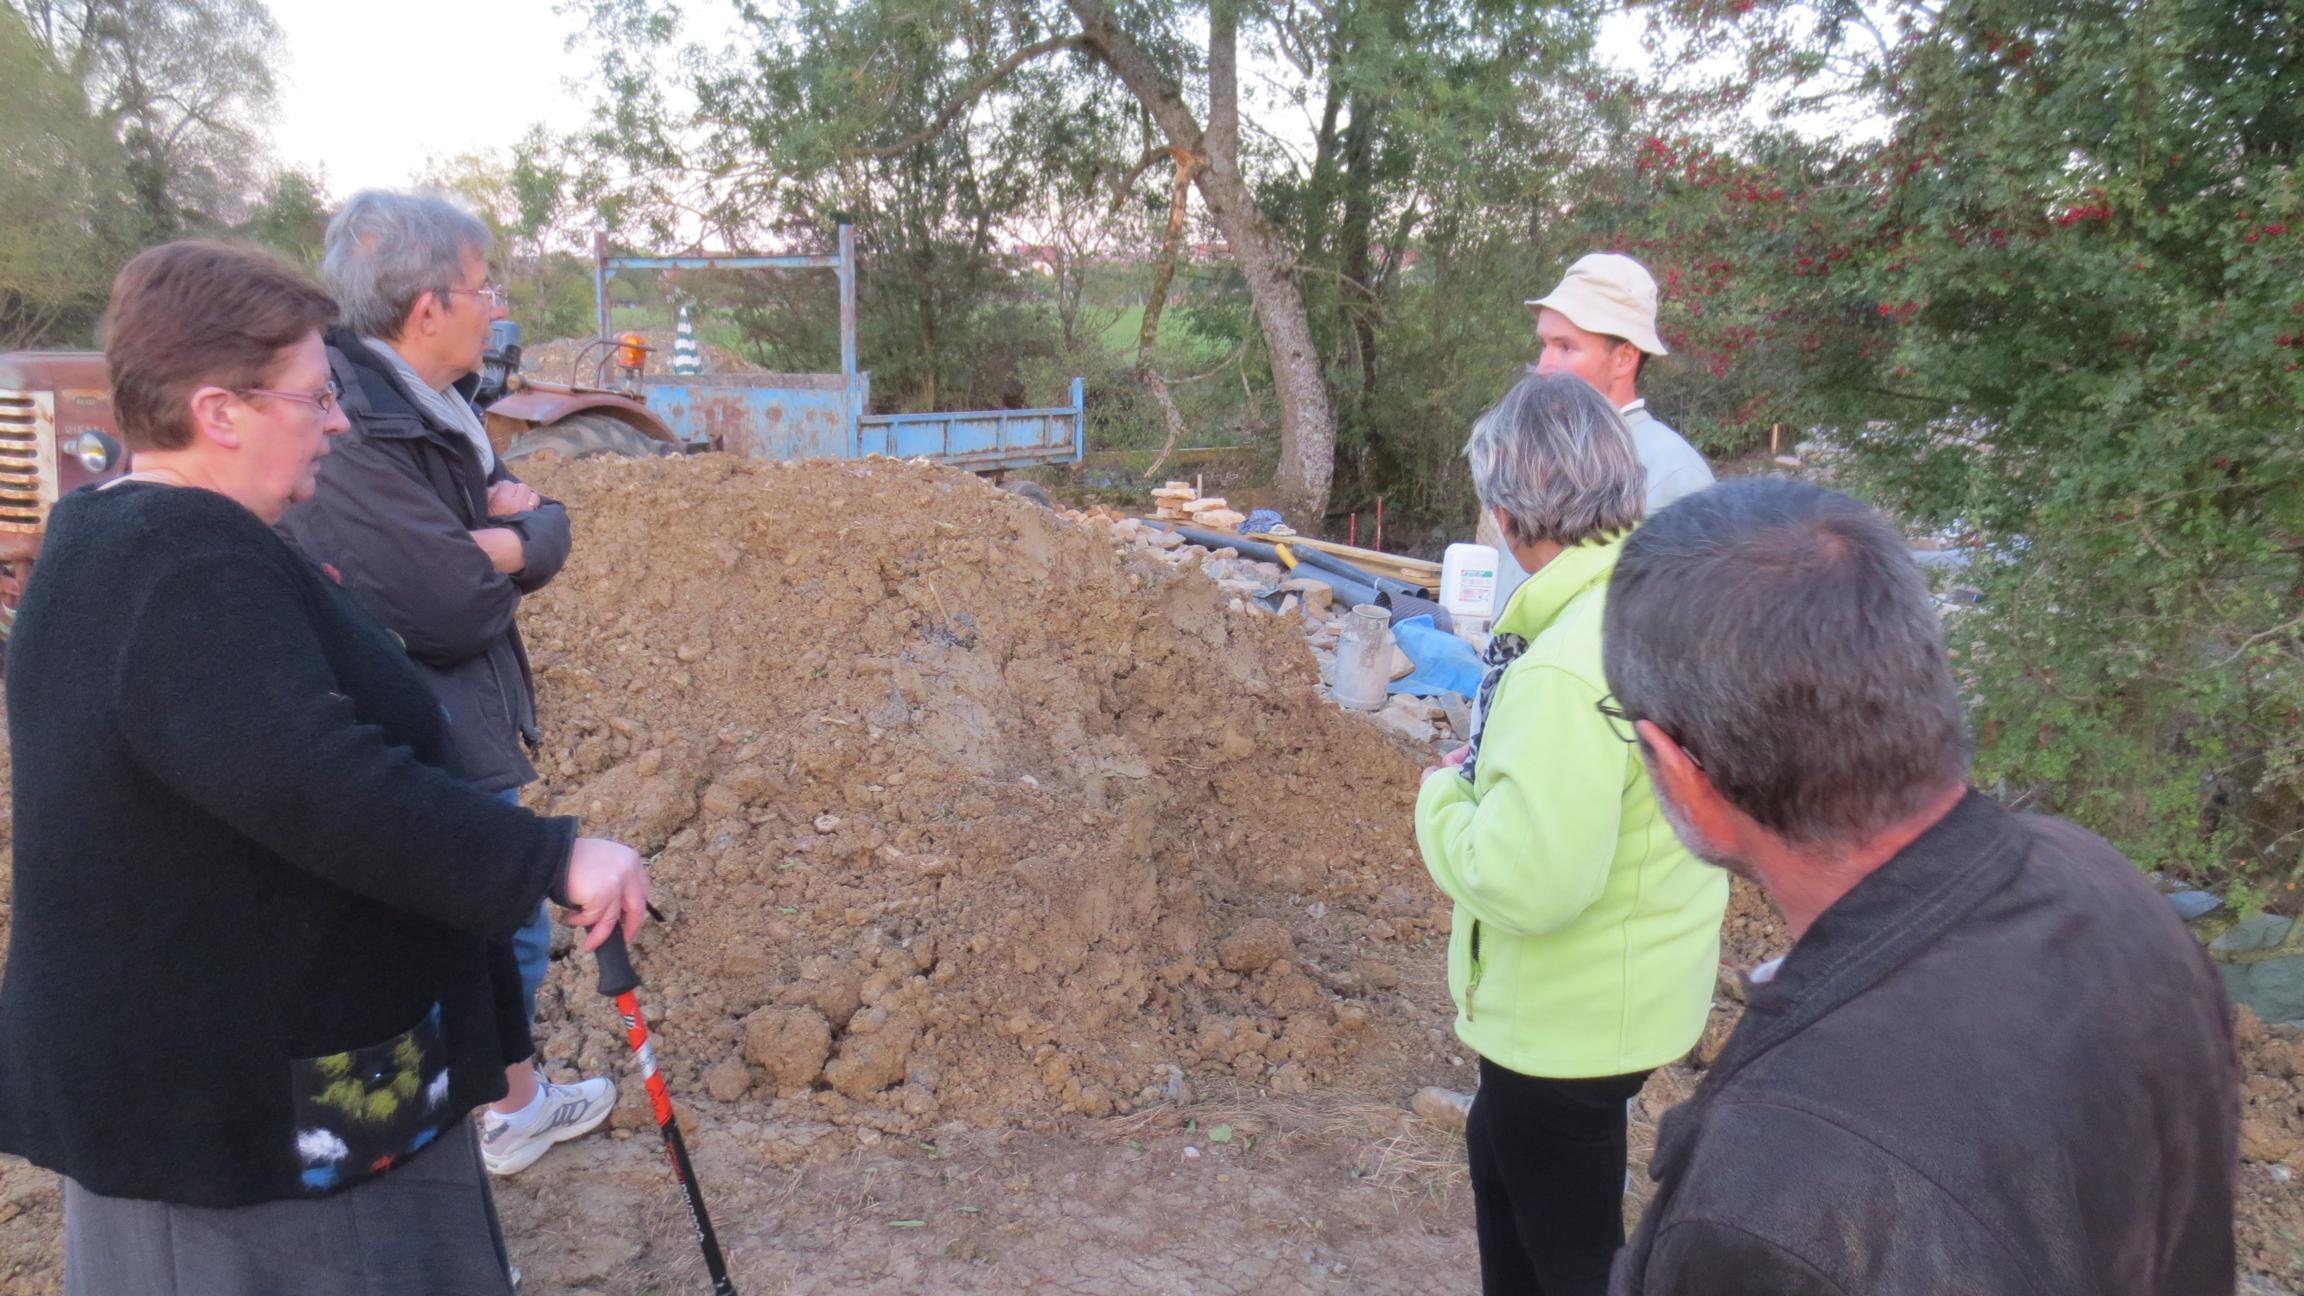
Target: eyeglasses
x,y
323,400
493,293
1624,725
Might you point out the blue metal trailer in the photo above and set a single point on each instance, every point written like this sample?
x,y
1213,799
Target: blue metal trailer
x,y
824,416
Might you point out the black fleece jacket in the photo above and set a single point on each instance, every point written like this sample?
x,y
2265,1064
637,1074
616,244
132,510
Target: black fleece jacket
x,y
399,498
237,846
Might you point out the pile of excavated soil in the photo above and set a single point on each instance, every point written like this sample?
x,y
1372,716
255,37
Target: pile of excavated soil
x,y
963,810
2271,1224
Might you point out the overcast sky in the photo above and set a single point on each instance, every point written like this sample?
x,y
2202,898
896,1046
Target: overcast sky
x,y
368,96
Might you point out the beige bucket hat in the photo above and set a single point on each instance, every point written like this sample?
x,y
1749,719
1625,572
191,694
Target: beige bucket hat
x,y
1610,294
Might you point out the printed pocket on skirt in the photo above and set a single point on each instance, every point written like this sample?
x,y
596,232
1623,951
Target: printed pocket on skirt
x,y
363,1111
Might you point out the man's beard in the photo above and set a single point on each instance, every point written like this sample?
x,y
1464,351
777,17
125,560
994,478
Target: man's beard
x,y
1698,845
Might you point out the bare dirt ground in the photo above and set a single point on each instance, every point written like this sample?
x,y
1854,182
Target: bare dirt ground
x,y
1002,869
1033,925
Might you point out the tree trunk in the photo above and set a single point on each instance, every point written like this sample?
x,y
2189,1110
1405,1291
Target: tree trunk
x,y
1307,426
1224,79
1357,297
1317,193
1067,294
1148,337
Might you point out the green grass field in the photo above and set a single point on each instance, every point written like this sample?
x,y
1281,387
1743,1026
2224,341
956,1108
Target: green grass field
x,y
1196,350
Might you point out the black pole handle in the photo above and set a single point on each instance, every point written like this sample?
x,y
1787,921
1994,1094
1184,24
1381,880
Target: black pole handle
x,y
617,974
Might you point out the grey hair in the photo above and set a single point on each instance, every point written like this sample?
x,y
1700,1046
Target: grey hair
x,y
1781,634
385,250
1558,460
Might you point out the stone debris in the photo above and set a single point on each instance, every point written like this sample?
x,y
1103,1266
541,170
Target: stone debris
x,y
1249,585
1182,502
1443,1107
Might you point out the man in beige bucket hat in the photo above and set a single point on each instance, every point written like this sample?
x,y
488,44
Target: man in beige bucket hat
x,y
1600,325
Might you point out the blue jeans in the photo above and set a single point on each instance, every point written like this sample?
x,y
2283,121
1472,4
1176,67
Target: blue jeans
x,y
532,944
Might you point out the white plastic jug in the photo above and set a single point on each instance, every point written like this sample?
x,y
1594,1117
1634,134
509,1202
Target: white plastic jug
x,y
1468,587
1364,658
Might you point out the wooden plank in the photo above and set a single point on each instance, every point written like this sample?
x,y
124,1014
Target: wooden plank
x,y
1375,557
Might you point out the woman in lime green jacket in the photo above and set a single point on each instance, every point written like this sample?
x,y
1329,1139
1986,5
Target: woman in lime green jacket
x,y
1585,939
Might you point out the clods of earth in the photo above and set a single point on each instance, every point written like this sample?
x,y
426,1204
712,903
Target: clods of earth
x,y
958,811
1033,920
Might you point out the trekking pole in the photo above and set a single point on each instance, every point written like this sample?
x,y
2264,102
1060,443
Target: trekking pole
x,y
617,981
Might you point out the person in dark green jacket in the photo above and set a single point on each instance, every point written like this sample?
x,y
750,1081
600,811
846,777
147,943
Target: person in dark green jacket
x,y
1585,939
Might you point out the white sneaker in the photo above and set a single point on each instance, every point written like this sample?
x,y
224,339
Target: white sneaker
x,y
509,1145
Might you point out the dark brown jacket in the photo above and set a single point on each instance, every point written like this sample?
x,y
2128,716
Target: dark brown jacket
x,y
399,498
1999,1064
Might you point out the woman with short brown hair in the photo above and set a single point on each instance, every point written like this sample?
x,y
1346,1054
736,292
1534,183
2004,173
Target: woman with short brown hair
x,y
257,972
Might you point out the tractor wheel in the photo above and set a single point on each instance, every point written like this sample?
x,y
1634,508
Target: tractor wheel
x,y
1030,490
585,436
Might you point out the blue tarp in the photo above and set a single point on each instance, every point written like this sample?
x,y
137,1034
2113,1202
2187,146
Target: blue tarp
x,y
1444,663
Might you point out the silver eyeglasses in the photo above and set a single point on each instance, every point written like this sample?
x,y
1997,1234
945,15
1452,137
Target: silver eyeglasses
x,y
322,400
493,293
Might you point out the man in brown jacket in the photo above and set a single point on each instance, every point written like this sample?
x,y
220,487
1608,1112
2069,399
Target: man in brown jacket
x,y
1993,1061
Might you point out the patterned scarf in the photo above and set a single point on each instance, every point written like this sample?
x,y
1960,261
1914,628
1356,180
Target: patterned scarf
x,y
1503,650
448,408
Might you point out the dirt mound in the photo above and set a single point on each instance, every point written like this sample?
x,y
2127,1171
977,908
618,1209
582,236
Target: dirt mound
x,y
557,360
960,810
2271,1224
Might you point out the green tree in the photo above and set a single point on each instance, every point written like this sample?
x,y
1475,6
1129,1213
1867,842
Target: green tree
x,y
524,194
61,235
829,81
291,217
2045,294
1448,140
526,200
184,85
944,318
1422,120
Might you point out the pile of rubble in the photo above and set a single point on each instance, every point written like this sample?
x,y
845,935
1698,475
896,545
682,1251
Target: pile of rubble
x,y
1308,602
1182,502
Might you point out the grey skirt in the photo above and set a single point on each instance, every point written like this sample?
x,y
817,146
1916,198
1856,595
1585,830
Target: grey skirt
x,y
426,1229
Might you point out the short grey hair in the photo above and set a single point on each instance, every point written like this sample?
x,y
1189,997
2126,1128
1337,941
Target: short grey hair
x,y
1555,456
385,250
1781,634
